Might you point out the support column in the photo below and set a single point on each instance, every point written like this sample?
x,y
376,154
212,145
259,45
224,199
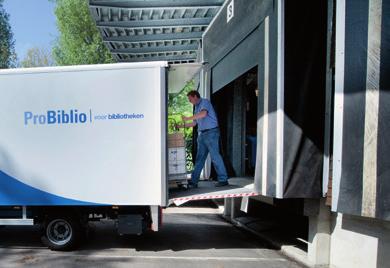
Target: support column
x,y
206,93
232,208
319,234
155,211
236,208
227,211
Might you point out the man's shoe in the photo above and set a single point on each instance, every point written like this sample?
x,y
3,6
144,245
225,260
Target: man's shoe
x,y
221,184
192,185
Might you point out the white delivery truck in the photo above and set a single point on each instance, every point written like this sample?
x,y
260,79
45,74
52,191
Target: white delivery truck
x,y
82,143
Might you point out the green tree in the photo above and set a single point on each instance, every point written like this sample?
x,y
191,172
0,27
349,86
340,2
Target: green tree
x,y
7,44
179,105
37,57
79,41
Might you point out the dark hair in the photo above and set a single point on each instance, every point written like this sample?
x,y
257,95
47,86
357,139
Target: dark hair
x,y
193,93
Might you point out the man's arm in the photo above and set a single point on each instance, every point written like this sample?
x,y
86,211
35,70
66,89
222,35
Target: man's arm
x,y
199,115
192,124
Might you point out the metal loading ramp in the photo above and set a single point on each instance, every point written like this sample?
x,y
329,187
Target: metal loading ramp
x,y
238,187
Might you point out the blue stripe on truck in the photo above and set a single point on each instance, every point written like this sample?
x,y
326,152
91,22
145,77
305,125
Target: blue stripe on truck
x,y
16,193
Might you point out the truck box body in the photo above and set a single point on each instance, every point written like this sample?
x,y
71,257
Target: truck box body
x,y
83,135
85,143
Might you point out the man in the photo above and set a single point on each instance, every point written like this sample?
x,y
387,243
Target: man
x,y
208,138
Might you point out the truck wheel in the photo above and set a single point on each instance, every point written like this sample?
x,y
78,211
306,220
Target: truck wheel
x,y
62,233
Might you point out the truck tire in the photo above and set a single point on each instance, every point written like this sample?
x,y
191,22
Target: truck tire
x,y
62,233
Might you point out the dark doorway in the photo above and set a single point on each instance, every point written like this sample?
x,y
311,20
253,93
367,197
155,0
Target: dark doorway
x,y
236,106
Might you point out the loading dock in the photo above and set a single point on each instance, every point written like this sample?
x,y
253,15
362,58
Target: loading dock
x,y
303,83
295,50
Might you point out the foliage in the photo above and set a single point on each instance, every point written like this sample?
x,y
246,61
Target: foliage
x,y
179,105
7,43
37,57
79,41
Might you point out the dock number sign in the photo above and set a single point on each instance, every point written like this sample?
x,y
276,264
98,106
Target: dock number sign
x,y
230,11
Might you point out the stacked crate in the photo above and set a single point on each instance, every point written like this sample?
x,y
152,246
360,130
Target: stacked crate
x,y
177,172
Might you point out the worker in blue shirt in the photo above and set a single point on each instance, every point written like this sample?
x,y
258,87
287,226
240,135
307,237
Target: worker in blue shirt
x,y
208,138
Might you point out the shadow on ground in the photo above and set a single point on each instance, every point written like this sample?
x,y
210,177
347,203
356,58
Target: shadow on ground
x,y
179,232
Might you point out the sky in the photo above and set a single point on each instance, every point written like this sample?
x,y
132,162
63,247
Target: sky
x,y
33,24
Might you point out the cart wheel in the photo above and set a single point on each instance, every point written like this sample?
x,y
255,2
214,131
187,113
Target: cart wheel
x,y
62,233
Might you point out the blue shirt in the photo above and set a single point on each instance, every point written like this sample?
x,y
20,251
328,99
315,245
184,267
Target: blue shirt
x,y
210,121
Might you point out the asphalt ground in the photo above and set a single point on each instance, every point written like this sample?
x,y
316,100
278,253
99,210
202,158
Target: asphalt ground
x,y
189,237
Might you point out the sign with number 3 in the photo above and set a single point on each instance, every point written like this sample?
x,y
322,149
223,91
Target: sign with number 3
x,y
230,11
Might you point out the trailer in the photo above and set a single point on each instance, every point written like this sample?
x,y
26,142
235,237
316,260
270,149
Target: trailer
x,y
85,143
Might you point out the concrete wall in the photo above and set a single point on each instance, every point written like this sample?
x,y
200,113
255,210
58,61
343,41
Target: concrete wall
x,y
359,242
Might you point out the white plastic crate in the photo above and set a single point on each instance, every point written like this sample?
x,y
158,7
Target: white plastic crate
x,y
176,154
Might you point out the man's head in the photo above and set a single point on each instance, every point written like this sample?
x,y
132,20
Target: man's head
x,y
193,97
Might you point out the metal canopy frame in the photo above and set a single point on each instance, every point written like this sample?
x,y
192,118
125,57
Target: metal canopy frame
x,y
163,30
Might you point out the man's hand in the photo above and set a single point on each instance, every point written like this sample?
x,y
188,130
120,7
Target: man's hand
x,y
185,118
177,126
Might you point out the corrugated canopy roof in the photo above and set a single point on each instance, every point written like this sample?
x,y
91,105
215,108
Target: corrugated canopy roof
x,y
166,30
